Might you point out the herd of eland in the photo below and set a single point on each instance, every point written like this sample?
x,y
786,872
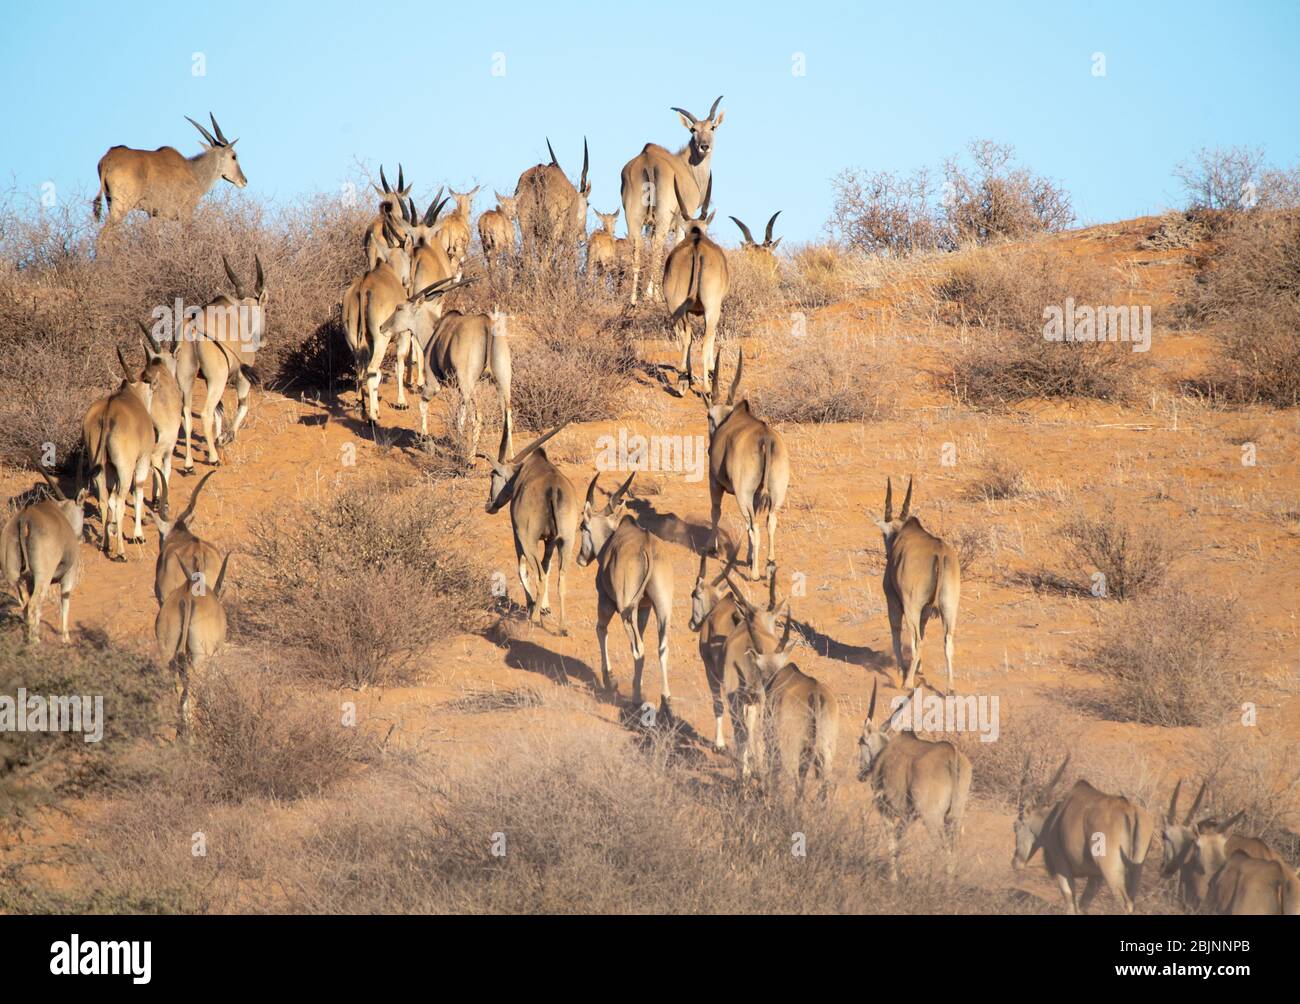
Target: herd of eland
x,y
784,722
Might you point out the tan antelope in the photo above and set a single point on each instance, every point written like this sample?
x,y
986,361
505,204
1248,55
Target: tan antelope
x,y
1086,835
1196,850
755,633
648,178
1251,886
456,348
798,720
543,513
179,545
367,303
496,230
552,211
763,255
633,574
117,438
391,213
696,281
164,182
221,343
602,247
164,408
429,264
922,576
453,231
715,614
190,629
912,779
748,459
39,546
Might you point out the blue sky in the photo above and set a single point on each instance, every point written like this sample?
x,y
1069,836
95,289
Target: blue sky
x,y
886,87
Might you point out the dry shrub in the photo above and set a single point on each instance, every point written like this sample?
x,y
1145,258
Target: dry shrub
x,y
1178,231
588,822
998,480
1003,293
1039,735
1255,771
1250,289
258,737
973,544
1234,180
63,309
986,197
574,368
754,301
1256,263
822,378
36,767
362,581
1133,557
819,274
592,826
886,212
1169,658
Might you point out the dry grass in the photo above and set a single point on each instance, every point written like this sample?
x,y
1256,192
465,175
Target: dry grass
x,y
1133,557
998,480
257,736
1170,659
39,767
363,580
554,823
1250,290
1001,292
63,310
817,378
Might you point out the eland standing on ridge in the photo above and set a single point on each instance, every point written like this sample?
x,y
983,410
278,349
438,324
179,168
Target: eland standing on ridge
x,y
164,182
648,178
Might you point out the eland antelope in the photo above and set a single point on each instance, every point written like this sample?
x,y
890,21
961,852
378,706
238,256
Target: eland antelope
x,y
164,408
221,343
911,779
179,545
696,281
747,459
456,348
633,574
453,231
602,247
367,303
117,437
1087,835
755,633
922,576
496,229
1197,849
715,614
543,512
391,213
41,545
649,176
190,629
164,182
1251,886
552,210
763,255
798,720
